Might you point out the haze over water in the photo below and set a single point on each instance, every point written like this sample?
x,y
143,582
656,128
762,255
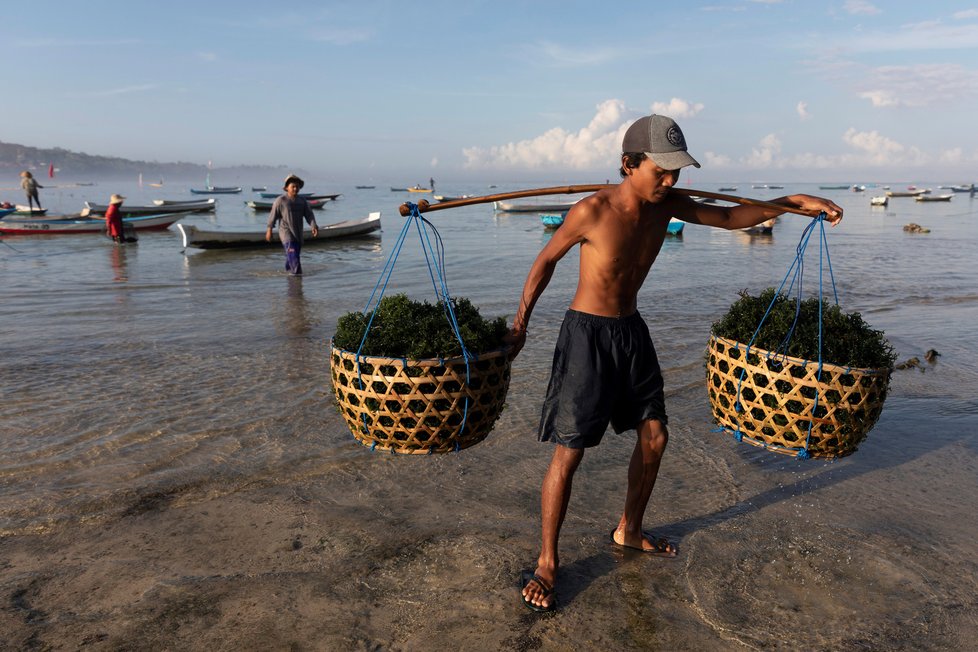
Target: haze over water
x,y
142,374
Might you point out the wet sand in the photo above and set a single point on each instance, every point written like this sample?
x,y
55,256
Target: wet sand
x,y
378,552
156,497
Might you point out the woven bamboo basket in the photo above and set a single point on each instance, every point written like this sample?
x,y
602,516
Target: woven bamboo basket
x,y
778,393
419,406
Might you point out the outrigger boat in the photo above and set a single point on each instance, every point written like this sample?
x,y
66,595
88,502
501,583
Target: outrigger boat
x,y
216,190
85,224
266,205
202,203
528,207
304,195
202,206
194,236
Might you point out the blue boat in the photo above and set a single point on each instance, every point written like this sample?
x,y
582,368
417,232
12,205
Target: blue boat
x,y
552,220
675,226
6,211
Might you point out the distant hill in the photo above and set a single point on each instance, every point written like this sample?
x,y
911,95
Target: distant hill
x,y
76,165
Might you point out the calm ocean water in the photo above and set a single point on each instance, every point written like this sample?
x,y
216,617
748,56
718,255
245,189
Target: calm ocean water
x,y
139,371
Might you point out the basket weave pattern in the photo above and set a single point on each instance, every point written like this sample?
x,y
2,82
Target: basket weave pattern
x,y
419,406
778,393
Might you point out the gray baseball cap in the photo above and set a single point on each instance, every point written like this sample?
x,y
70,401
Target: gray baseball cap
x,y
661,139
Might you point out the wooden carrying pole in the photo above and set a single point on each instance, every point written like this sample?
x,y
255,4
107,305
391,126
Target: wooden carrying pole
x,y
425,207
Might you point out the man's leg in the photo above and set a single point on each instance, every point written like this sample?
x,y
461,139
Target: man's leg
x,y
554,497
642,473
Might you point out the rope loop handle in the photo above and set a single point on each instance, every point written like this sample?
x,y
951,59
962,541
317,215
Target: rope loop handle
x,y
435,259
796,273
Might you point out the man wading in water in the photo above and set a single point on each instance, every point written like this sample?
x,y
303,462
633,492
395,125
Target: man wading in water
x,y
605,368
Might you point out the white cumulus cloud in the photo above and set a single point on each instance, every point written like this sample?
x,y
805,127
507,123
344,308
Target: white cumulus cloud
x,y
677,108
598,144
802,109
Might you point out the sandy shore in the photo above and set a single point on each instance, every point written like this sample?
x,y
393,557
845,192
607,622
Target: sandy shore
x,y
380,552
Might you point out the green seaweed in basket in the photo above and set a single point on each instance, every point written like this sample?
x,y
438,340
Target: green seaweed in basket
x,y
847,340
417,330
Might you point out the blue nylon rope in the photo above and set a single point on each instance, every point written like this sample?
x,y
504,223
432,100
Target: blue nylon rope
x,y
796,273
435,260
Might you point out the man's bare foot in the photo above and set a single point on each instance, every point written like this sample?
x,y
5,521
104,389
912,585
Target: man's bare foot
x,y
647,542
538,589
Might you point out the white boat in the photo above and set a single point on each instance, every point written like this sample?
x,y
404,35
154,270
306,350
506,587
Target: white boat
x,y
27,210
209,202
532,207
85,224
194,236
882,200
934,197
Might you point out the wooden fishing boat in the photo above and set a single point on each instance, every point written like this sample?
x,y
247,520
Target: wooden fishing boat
x,y
393,189
266,204
259,188
934,197
194,236
902,193
882,200
4,212
531,207
304,195
552,220
216,190
364,187
418,189
85,224
125,210
728,189
200,203
764,228
20,209
833,187
451,197
962,188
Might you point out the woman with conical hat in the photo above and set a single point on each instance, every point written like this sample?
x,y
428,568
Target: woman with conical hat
x,y
113,218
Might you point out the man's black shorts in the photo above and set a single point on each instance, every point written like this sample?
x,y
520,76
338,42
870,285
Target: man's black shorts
x,y
604,370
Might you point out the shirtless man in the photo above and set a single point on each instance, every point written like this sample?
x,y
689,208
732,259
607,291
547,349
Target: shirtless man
x,y
605,368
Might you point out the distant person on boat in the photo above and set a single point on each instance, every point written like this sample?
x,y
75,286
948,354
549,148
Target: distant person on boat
x,y
289,210
605,369
30,186
113,218
431,184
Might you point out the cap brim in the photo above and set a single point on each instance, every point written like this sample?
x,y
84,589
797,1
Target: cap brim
x,y
673,160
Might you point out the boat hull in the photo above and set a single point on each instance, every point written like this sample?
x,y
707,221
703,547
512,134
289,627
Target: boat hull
x,y
202,206
200,239
86,225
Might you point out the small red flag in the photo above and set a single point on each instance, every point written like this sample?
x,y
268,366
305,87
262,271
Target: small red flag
x,y
51,171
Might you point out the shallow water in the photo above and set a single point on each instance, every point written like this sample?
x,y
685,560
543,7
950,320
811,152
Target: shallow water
x,y
138,374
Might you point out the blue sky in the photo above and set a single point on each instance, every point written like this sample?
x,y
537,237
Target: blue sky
x,y
850,90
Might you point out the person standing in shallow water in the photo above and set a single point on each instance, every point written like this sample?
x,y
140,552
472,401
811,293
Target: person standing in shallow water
x,y
605,368
113,218
289,210
30,186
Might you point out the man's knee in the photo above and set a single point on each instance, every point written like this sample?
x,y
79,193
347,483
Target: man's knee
x,y
654,434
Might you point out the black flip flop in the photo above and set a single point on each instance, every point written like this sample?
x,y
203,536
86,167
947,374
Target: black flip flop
x,y
528,576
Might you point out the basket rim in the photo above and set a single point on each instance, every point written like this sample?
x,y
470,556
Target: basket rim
x,y
798,361
420,362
